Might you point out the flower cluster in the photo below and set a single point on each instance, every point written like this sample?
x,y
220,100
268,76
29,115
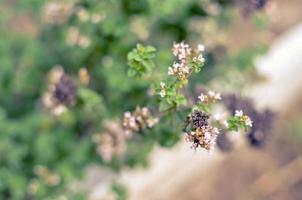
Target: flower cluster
x,y
49,177
188,60
57,12
84,16
61,91
75,38
112,142
239,120
162,92
201,133
137,121
243,118
262,120
211,97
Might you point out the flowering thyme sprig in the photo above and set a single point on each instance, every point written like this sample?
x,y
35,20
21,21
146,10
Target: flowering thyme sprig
x,y
207,100
200,128
239,120
263,121
188,60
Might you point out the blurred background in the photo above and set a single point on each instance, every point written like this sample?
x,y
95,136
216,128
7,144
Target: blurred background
x,y
78,150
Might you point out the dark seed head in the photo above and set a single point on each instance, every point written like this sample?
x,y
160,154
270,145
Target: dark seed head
x,y
65,91
199,119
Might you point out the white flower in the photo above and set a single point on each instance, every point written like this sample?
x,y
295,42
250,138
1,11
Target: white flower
x,y
211,93
226,123
175,49
194,59
217,117
162,84
215,95
127,114
59,109
238,113
176,65
162,93
207,137
201,47
185,69
201,97
201,58
249,122
151,122
170,71
181,56
184,45
216,130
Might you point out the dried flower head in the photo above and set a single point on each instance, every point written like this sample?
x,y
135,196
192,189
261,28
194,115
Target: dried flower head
x,y
65,91
61,91
204,137
137,121
201,133
199,119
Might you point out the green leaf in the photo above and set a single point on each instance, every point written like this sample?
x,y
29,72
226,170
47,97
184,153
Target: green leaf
x,y
164,105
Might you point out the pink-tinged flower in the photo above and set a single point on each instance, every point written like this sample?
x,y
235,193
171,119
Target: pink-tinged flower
x,y
139,120
214,95
202,97
162,92
226,123
201,47
238,113
249,122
